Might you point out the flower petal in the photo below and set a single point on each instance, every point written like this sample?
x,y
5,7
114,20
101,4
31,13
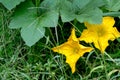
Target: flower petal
x,y
73,36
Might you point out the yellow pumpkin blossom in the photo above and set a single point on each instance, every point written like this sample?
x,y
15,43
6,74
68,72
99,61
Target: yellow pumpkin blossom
x,y
72,50
99,34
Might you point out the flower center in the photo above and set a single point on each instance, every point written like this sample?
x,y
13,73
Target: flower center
x,y
75,50
101,32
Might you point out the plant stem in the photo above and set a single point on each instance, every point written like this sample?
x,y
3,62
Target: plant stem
x,y
37,4
104,63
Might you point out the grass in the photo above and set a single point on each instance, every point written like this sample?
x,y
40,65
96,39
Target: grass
x,y
20,62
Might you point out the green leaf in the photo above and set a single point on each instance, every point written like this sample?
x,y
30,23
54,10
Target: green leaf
x,y
32,26
23,16
114,14
113,5
27,13
49,12
82,10
95,3
79,4
91,12
93,16
50,5
10,4
66,12
49,19
69,9
92,5
32,33
67,16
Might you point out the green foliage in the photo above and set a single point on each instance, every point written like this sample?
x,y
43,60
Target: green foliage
x,y
82,10
32,19
49,13
23,16
93,16
10,4
31,24
113,5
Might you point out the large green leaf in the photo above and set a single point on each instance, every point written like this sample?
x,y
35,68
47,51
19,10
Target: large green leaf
x,y
50,4
82,10
113,5
10,4
114,14
67,11
32,33
91,12
93,16
49,19
49,11
32,26
79,4
95,3
24,15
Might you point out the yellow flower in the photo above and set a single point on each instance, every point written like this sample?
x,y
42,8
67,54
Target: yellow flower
x,y
99,34
72,50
